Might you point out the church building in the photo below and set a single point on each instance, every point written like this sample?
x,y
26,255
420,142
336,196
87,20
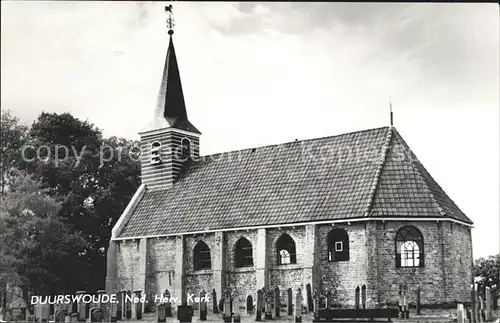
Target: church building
x,y
325,214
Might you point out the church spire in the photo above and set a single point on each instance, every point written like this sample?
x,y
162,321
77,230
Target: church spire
x,y
170,106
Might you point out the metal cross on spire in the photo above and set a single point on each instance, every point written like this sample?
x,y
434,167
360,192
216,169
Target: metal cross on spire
x,y
390,109
170,19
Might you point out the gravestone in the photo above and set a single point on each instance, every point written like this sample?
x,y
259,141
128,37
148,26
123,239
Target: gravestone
x,y
289,303
113,312
203,306
96,314
258,312
81,308
237,318
363,296
473,291
138,305
160,313
269,302
370,303
298,306
460,313
227,311
310,301
277,303
168,304
316,297
128,305
73,317
59,316
185,313
480,311
249,304
356,298
119,306
418,300
214,302
488,302
45,312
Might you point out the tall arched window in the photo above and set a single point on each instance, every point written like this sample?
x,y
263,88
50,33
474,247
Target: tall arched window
x,y
185,148
243,253
338,245
155,152
201,256
285,247
409,247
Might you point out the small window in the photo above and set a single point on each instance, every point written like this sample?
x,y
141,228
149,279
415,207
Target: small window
x,y
243,253
286,250
409,247
338,245
155,153
201,256
185,149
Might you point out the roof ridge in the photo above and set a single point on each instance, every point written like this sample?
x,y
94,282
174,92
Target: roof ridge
x,y
378,174
295,141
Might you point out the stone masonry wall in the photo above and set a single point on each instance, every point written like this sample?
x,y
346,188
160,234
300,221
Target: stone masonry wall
x,y
127,259
342,277
439,282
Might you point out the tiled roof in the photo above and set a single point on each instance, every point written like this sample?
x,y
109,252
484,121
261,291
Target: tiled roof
x,y
340,177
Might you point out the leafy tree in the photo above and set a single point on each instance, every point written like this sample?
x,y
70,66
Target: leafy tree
x,y
12,138
36,247
93,178
486,271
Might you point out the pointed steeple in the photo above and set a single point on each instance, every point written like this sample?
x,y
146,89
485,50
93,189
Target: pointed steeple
x,y
170,107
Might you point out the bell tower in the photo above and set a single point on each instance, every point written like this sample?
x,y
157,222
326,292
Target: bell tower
x,y
171,141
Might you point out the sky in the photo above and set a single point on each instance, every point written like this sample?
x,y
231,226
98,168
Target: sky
x,y
256,74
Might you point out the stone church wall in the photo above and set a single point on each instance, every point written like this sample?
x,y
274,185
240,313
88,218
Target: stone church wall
x,y
197,280
438,277
128,256
343,276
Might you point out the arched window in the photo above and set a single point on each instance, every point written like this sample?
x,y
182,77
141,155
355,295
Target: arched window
x,y
201,256
338,245
185,148
243,253
155,152
409,247
285,247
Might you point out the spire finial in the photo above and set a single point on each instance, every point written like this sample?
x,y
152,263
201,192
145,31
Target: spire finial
x,y
170,19
390,109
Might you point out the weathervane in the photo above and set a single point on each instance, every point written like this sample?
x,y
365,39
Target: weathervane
x,y
390,109
170,20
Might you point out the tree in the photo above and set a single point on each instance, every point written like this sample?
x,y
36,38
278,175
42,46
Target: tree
x,y
486,271
36,247
12,138
92,177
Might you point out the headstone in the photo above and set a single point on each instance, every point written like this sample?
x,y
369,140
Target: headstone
x,y
214,302
363,296
45,312
480,309
310,301
370,303
298,307
138,305
473,290
160,313
59,316
185,313
81,308
356,298
113,312
269,300
237,319
277,303
227,313
119,306
168,304
487,309
316,297
289,303
203,306
418,300
74,317
100,294
128,305
460,313
96,314
258,310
